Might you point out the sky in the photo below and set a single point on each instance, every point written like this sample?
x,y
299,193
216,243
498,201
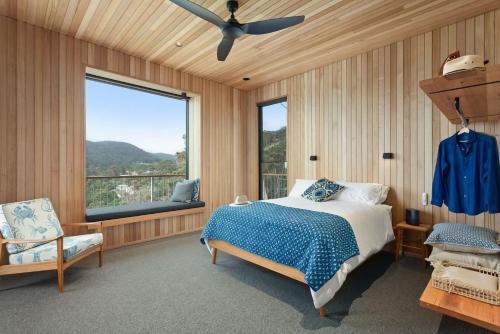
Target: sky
x,y
274,116
151,122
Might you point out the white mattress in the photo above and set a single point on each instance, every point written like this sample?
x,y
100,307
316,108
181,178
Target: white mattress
x,y
371,225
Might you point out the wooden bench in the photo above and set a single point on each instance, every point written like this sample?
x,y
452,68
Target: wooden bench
x,y
463,308
132,230
153,216
139,209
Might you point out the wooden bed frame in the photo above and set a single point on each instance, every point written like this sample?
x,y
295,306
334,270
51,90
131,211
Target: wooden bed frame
x,y
260,261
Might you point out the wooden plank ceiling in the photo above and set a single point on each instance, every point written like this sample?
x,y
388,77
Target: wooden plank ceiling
x,y
333,30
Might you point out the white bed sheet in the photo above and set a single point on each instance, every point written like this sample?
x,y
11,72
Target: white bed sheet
x,y
371,225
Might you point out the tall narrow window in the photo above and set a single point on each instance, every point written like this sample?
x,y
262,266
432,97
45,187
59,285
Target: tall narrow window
x,y
136,145
273,167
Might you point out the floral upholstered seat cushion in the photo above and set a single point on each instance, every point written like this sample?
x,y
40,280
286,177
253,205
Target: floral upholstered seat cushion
x,y
72,246
29,220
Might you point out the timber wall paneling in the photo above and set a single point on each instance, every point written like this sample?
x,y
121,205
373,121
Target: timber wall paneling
x,y
42,126
351,111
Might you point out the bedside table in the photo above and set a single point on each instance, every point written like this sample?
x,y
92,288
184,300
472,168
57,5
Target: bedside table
x,y
422,229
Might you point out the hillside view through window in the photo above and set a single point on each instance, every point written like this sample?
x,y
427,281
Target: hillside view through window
x,y
273,149
136,143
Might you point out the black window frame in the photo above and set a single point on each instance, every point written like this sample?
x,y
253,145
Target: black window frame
x,y
260,107
182,96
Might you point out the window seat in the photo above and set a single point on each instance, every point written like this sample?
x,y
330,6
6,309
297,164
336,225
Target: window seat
x,y
124,214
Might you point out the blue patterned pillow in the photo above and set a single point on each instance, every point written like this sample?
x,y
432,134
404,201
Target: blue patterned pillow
x,y
196,190
195,196
322,190
463,238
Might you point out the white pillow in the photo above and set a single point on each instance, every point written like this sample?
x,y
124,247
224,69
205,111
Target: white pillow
x,y
491,261
368,193
300,186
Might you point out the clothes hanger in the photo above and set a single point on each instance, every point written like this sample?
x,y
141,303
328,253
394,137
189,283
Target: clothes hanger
x,y
464,121
463,130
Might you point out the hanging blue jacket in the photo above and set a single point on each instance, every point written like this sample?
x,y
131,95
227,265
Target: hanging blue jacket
x,y
467,174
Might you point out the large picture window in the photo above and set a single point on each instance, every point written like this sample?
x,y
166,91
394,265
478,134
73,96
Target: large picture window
x,y
136,147
273,167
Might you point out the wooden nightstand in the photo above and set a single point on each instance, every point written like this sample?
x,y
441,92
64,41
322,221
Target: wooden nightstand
x,y
422,229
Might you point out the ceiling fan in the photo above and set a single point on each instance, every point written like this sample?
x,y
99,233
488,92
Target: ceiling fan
x,y
232,29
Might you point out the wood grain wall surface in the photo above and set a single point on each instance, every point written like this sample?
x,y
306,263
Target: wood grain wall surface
x,y
42,126
351,111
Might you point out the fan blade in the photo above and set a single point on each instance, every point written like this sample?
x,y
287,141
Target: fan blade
x,y
200,12
224,48
272,25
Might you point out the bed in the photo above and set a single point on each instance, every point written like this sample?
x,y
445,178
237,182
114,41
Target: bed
x,y
370,224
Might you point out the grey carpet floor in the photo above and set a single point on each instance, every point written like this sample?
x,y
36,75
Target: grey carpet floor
x,y
170,286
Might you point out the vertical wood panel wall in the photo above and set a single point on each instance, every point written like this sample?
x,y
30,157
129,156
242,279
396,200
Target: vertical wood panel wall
x,y
42,126
351,111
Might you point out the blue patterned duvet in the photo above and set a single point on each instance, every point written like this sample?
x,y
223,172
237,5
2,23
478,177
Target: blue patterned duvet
x,y
315,243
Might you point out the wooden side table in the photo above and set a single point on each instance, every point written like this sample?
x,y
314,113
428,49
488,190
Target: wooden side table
x,y
422,229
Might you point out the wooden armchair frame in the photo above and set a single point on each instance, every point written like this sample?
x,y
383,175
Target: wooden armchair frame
x,y
59,264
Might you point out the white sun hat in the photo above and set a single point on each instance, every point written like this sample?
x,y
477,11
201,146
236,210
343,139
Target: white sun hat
x,y
463,63
240,200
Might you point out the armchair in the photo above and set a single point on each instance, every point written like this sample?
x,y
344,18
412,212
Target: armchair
x,y
32,239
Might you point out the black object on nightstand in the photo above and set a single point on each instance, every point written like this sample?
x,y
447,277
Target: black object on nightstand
x,y
412,217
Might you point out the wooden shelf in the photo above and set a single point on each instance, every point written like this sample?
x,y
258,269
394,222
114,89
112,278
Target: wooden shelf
x,y
478,90
463,308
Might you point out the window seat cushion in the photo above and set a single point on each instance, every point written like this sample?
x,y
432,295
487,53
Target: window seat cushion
x,y
138,209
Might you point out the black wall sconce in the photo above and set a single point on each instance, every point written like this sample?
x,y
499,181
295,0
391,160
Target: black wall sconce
x,y
388,155
313,157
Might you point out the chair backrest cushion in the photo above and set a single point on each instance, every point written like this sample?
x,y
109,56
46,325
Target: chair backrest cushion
x,y
29,220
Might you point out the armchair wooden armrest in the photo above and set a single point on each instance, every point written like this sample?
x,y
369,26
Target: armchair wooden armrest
x,y
91,226
17,241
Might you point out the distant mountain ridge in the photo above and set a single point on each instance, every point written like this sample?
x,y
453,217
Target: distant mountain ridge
x,y
165,156
104,154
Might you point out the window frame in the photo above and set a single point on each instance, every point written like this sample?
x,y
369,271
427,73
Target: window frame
x,y
260,108
127,85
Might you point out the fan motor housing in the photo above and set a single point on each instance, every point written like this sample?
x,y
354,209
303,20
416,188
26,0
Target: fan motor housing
x,y
232,30
232,6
